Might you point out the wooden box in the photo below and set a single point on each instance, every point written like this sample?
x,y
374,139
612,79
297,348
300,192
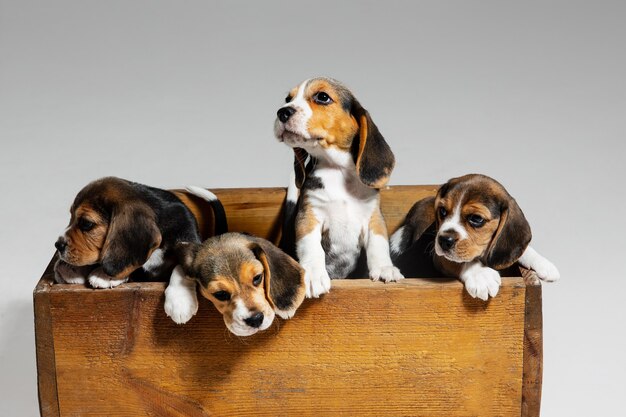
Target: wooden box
x,y
421,347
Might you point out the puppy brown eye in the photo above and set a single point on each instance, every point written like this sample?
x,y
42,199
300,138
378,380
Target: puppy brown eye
x,y
85,225
256,281
475,220
287,99
443,212
222,295
322,98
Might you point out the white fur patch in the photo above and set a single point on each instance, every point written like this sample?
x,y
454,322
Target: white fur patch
x,y
312,259
181,300
378,260
99,279
480,281
453,223
201,192
154,262
546,271
395,242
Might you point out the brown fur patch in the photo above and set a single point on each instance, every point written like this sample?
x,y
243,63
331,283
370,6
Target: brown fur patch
x,y
377,224
84,248
331,122
305,220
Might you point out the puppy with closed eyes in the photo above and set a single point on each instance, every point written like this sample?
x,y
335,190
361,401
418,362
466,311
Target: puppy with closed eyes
x,y
341,162
248,279
478,229
118,227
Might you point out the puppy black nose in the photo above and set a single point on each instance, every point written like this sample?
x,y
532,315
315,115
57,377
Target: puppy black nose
x,y
284,113
60,245
255,320
446,242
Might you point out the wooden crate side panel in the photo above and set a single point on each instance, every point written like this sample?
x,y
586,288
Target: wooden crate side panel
x,y
533,346
44,341
416,348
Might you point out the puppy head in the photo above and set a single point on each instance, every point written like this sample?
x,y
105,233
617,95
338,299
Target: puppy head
x,y
476,218
111,226
248,279
322,118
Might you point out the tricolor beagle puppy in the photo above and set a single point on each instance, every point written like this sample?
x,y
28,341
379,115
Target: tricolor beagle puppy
x,y
341,162
479,229
247,278
118,227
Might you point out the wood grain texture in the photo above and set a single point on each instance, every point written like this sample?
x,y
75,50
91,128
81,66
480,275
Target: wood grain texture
x,y
533,346
421,347
44,340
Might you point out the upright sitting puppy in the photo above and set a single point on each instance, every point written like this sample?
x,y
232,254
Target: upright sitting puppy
x,y
479,229
118,226
248,279
348,162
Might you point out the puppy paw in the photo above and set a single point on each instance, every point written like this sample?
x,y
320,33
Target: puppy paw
x,y
482,282
316,281
387,273
181,303
546,271
65,273
99,279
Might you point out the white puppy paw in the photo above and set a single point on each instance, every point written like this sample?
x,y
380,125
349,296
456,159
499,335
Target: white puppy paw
x,y
181,303
387,273
546,271
99,279
316,280
481,282
65,273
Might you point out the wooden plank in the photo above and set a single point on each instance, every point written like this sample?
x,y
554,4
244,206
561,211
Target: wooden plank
x,y
421,347
44,340
533,346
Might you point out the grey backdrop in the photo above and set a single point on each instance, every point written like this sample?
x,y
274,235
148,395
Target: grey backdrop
x,y
174,93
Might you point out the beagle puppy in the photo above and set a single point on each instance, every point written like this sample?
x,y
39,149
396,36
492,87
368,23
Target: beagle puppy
x,y
341,162
248,279
478,230
118,227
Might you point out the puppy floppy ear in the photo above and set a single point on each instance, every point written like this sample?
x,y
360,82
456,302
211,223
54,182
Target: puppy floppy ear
x,y
283,280
510,239
132,237
373,157
300,166
185,255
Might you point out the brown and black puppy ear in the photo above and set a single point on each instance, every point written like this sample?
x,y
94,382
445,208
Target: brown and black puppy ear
x,y
185,256
300,167
510,239
420,217
132,237
373,157
283,280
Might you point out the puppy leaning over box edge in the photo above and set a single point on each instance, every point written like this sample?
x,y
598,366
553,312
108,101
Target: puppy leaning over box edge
x,y
338,212
479,229
118,227
247,278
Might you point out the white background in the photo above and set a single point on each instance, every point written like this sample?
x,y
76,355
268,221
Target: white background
x,y
174,93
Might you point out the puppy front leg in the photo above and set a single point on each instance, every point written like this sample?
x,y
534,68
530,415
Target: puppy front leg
x,y
480,281
313,259
377,249
181,300
545,269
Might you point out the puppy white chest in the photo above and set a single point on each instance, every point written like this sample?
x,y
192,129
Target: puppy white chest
x,y
344,207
